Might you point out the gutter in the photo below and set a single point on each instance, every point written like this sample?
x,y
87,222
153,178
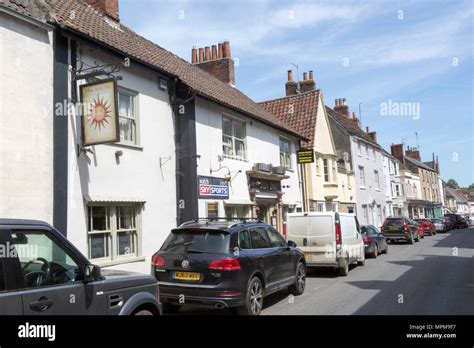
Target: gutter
x,y
36,22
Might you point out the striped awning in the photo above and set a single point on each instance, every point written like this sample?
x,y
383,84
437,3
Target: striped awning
x,y
113,199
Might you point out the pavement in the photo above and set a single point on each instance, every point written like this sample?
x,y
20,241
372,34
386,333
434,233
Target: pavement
x,y
432,277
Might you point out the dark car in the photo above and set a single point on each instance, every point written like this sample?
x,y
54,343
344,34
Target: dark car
x,y
222,263
374,241
43,273
398,228
427,226
457,220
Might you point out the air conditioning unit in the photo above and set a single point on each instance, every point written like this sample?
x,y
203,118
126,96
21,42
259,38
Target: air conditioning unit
x,y
263,167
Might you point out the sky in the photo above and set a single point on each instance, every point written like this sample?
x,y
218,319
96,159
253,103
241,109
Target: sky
x,y
408,65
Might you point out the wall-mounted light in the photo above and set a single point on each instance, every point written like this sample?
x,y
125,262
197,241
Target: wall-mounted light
x,y
118,153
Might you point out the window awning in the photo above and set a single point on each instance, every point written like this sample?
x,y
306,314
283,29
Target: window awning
x,y
238,202
113,199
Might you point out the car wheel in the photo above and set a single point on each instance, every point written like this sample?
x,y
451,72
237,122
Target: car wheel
x,y
361,262
170,308
298,288
410,241
143,312
344,270
417,239
386,249
253,299
376,252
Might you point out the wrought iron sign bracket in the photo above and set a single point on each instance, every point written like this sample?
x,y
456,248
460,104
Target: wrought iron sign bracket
x,y
91,73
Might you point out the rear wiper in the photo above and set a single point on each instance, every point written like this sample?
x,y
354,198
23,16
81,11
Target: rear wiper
x,y
194,251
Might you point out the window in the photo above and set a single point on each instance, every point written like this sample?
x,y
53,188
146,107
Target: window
x,y
36,251
285,153
397,189
326,170
127,118
377,179
379,215
415,191
259,238
365,213
198,241
334,171
276,240
359,148
233,138
236,211
373,153
320,206
244,240
318,167
335,207
366,150
362,176
113,232
212,210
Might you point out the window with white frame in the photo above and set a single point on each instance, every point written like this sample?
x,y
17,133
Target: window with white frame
x,y
415,191
362,176
335,207
366,150
334,171
377,179
318,167
285,153
113,232
320,206
359,148
326,169
128,117
397,189
379,215
365,213
373,153
233,138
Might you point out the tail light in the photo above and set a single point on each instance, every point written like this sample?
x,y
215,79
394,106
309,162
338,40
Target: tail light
x,y
229,264
381,228
367,240
229,293
284,230
157,261
338,233
405,226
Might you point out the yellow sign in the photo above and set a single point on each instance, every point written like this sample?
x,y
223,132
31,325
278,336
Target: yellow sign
x,y
305,156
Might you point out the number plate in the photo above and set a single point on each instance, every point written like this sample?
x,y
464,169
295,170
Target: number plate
x,y
187,276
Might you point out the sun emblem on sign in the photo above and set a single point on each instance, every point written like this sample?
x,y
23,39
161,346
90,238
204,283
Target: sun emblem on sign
x,y
99,113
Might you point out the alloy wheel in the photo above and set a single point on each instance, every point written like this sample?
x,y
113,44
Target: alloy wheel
x,y
256,298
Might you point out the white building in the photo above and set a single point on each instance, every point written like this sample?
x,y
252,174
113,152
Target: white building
x,y
412,189
26,117
394,196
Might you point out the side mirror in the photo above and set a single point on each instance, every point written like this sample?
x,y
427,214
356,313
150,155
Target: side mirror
x,y
291,244
91,273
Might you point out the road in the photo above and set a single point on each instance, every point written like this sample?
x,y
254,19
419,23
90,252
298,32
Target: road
x,y
432,277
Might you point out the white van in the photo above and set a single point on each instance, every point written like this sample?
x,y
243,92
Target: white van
x,y
328,239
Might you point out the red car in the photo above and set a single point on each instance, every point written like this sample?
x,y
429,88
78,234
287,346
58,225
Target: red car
x,y
427,226
421,234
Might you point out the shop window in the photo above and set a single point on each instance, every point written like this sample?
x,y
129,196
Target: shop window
x,y
213,210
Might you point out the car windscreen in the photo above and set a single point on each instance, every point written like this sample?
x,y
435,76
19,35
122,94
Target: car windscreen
x,y
393,222
197,241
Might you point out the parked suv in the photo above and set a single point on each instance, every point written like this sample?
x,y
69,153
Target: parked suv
x,y
400,228
41,272
225,263
458,221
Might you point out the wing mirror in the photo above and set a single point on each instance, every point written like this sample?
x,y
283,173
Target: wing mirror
x,y
291,244
91,273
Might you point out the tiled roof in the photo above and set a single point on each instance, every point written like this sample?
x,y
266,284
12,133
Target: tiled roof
x,y
31,8
349,125
298,111
457,196
418,163
79,17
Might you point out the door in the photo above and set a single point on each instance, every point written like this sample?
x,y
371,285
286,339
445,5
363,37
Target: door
x,y
286,270
49,272
322,238
267,256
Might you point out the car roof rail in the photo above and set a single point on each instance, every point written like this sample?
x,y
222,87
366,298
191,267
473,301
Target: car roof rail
x,y
239,220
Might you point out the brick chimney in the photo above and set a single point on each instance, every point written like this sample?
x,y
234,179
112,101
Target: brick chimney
x,y
397,151
341,107
291,86
109,8
413,153
216,61
308,84
372,135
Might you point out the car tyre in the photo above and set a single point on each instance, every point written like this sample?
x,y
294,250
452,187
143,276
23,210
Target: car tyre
x,y
143,312
376,252
386,249
169,308
298,287
344,270
253,298
361,262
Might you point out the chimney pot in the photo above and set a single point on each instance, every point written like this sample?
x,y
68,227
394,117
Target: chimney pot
x,y
207,53
305,76
311,75
336,102
201,54
367,129
226,49
344,101
214,52
290,75
194,56
219,54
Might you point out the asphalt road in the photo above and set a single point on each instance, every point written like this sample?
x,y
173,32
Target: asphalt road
x,y
432,277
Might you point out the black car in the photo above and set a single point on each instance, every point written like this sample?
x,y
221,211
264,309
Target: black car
x,y
224,263
43,273
374,241
397,228
457,221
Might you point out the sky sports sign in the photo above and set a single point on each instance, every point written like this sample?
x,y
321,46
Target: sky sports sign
x,y
210,187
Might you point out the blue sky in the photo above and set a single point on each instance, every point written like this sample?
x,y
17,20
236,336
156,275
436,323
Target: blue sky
x,y
369,52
